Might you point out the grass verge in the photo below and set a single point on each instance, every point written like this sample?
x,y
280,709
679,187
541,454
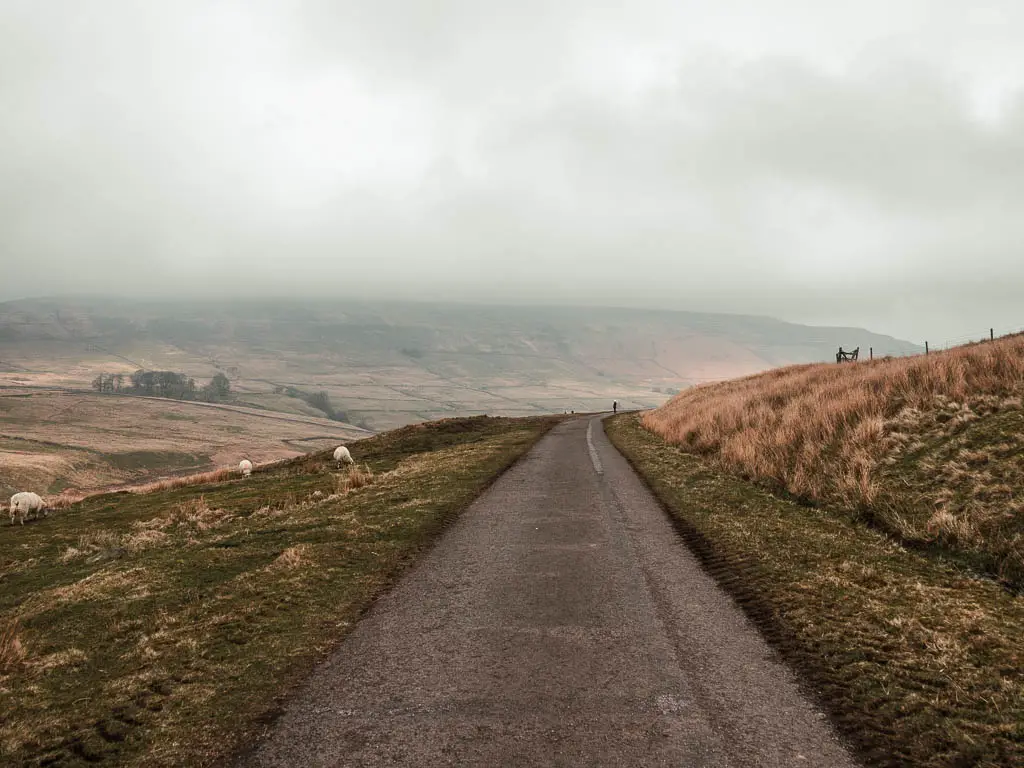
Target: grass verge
x,y
166,628
919,662
952,481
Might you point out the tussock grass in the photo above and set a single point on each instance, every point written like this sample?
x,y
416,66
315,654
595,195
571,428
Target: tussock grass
x,y
292,558
355,477
70,497
185,481
12,652
95,545
164,628
62,501
867,436
919,662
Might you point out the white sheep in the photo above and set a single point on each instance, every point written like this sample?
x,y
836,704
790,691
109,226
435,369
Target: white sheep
x,y
25,503
342,456
245,467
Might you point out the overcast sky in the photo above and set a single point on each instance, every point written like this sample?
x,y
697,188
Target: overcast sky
x,y
842,163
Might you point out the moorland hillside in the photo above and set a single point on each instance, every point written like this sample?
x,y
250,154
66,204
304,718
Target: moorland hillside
x,y
386,364
930,448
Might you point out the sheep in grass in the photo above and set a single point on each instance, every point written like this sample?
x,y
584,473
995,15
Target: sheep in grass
x,y
342,456
26,503
245,467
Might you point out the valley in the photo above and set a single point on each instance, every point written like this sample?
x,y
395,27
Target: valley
x,y
386,364
54,440
305,375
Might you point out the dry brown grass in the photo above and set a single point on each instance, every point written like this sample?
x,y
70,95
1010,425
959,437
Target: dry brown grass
x,y
355,477
201,478
12,652
63,501
818,427
96,544
292,557
836,432
184,520
70,497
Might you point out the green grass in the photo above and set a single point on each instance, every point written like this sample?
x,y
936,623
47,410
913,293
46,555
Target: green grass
x,y
167,628
167,460
955,482
919,661
179,417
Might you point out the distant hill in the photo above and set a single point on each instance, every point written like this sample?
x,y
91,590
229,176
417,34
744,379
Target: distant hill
x,y
385,364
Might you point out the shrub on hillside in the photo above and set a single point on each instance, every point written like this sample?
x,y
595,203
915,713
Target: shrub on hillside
x,y
169,384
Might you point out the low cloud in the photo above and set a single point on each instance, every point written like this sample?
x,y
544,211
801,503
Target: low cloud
x,y
862,170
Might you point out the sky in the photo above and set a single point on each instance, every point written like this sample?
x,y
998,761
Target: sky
x,y
829,163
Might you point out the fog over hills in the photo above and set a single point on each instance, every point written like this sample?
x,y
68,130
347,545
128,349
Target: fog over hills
x,y
388,363
856,166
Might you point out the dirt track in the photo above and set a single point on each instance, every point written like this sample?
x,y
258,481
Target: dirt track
x,y
559,622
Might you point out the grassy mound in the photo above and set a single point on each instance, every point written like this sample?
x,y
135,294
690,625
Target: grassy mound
x,y
920,662
163,628
925,447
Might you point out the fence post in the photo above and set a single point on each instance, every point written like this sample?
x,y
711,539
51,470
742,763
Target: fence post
x,y
871,353
926,347
991,334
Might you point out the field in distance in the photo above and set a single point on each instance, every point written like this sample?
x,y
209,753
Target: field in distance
x,y
52,440
386,364
372,365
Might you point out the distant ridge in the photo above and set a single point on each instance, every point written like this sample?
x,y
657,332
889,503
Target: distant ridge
x,y
389,363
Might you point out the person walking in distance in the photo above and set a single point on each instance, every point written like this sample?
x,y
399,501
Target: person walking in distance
x,y
615,406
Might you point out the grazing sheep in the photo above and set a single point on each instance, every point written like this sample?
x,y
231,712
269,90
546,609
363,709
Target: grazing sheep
x,y
25,503
342,456
245,467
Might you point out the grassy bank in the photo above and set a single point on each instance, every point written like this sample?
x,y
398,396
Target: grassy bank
x,y
920,662
870,437
164,628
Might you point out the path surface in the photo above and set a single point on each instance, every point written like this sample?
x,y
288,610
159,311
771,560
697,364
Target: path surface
x,y
559,622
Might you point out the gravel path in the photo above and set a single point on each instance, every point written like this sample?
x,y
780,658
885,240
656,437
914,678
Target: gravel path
x,y
560,621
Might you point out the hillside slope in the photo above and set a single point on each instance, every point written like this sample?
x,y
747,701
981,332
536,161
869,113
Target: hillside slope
x,y
387,364
163,628
930,448
51,441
